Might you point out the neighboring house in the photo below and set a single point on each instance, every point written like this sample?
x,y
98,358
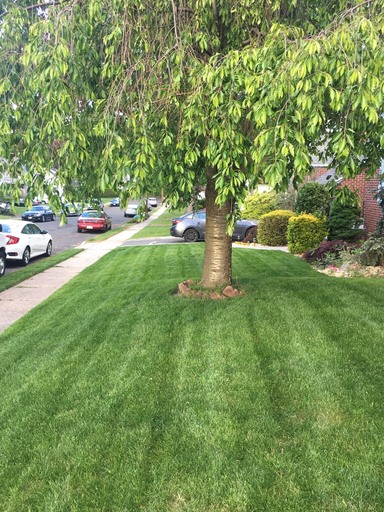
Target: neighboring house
x,y
365,188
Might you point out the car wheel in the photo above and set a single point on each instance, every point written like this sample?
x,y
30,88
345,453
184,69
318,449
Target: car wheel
x,y
48,250
26,256
79,230
191,235
2,264
53,217
249,231
43,218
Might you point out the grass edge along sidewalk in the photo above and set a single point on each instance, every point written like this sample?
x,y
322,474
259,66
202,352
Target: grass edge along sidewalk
x,y
21,298
14,278
119,395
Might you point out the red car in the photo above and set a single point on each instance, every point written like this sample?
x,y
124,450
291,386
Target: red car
x,y
93,220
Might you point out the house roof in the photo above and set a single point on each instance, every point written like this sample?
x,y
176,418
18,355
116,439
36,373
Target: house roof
x,y
328,174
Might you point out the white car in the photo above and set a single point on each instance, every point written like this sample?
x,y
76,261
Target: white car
x,y
25,240
132,210
152,201
3,253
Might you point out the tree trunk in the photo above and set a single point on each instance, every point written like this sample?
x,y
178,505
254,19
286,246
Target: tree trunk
x,y
217,265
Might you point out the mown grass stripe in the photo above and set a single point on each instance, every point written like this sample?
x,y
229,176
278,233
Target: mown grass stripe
x,y
119,395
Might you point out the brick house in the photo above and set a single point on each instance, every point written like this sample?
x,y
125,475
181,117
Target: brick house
x,y
365,188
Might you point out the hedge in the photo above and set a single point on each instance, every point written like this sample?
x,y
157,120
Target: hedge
x,y
305,232
272,228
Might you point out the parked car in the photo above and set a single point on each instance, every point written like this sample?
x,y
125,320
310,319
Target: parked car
x,y
3,254
132,210
115,202
94,204
137,211
39,200
72,209
191,227
152,201
5,207
25,240
39,213
93,220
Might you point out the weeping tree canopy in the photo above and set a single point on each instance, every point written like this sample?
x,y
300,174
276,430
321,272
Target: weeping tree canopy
x,y
183,94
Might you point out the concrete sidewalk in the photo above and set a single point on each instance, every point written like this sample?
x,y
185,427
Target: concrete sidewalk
x,y
18,300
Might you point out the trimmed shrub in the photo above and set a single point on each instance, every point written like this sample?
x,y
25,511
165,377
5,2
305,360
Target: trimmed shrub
x,y
372,252
344,221
313,198
272,228
258,204
305,232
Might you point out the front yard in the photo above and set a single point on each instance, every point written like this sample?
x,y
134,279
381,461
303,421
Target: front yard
x,y
118,395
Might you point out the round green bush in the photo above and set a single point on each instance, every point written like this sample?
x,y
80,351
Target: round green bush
x,y
313,198
305,232
272,228
258,204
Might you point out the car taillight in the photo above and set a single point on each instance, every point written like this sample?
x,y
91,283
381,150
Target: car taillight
x,y
12,240
175,221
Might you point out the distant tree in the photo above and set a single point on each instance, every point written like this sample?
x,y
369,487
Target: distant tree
x,y
313,198
255,205
286,200
179,95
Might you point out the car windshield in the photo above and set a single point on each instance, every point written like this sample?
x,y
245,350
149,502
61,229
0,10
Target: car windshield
x,y
192,215
37,208
93,215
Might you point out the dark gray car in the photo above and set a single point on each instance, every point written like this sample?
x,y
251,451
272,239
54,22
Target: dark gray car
x,y
191,227
39,213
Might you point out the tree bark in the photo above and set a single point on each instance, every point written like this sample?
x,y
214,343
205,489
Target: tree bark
x,y
217,265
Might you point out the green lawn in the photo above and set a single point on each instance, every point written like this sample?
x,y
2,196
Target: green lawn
x,y
104,236
18,211
12,278
118,395
159,226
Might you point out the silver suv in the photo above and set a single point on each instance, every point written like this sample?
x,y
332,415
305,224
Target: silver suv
x,y
3,253
191,227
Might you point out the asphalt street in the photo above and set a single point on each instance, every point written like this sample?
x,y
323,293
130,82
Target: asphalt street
x,y
66,236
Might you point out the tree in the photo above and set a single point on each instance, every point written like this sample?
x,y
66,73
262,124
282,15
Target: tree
x,y
313,197
257,204
345,219
190,93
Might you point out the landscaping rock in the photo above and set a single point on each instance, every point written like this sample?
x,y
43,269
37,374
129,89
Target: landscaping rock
x,y
229,291
185,289
216,296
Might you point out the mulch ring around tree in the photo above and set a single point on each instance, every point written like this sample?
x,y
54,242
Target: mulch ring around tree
x,y
190,289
